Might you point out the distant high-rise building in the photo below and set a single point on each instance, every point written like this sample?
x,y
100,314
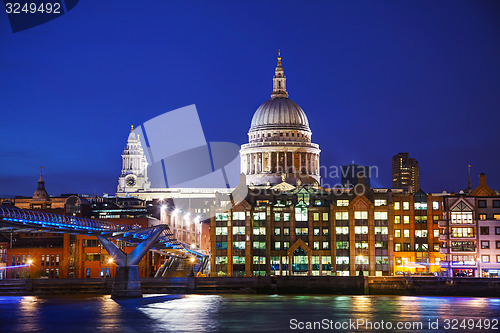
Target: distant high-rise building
x,y
351,172
405,172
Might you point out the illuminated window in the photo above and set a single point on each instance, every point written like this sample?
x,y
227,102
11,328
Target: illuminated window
x,y
315,216
361,245
381,230
420,205
342,203
436,233
238,260
316,246
221,216
342,215
316,231
420,233
286,217
259,260
238,216
342,260
462,232
342,230
406,233
485,258
435,205
397,247
221,230
463,260
277,231
461,218
361,260
361,215
397,219
223,245
238,230
277,245
482,216
221,260
380,202
421,247
397,205
406,219
380,216
342,245
239,245
259,216
277,216
406,205
301,231
397,233
325,216
259,245
326,231
485,244
286,231
420,219
361,230
259,231
301,212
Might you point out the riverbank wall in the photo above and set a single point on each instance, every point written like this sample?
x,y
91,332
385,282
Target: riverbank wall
x,y
299,285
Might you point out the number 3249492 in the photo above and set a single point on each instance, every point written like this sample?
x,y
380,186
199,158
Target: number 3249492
x,y
471,324
44,7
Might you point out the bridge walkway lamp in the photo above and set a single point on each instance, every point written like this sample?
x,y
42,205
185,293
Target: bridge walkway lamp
x,y
29,268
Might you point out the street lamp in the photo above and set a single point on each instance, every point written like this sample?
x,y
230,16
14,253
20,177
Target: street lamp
x,y
192,267
360,259
29,268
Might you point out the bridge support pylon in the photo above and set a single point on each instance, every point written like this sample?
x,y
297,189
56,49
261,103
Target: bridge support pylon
x,y
127,283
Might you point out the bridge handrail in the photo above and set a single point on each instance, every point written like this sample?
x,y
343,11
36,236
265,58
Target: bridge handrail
x,y
67,221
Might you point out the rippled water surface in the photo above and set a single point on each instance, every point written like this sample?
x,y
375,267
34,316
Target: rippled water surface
x,y
240,313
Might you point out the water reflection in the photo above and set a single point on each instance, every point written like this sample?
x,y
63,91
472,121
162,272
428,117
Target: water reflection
x,y
227,313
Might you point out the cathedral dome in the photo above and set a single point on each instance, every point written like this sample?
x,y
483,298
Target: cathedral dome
x,y
40,193
279,113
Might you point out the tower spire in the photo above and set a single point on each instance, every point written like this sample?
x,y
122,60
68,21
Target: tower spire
x,y
131,128
279,81
469,184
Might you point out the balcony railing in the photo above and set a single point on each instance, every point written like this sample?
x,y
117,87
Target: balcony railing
x,y
443,237
444,250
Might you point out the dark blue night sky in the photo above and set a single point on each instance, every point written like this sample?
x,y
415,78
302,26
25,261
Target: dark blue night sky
x,y
374,77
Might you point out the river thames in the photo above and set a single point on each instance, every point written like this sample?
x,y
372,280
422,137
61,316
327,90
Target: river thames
x,y
248,313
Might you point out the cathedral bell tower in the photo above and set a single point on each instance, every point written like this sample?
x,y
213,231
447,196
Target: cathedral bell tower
x,y
134,175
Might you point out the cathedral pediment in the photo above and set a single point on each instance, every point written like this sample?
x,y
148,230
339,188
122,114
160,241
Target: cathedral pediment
x,y
283,187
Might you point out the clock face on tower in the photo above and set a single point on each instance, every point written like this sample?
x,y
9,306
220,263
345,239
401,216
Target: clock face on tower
x,y
130,181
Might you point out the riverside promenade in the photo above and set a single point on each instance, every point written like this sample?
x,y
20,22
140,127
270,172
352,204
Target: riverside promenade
x,y
335,285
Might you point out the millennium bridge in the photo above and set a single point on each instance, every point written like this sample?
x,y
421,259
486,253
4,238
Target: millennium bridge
x,y
126,282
